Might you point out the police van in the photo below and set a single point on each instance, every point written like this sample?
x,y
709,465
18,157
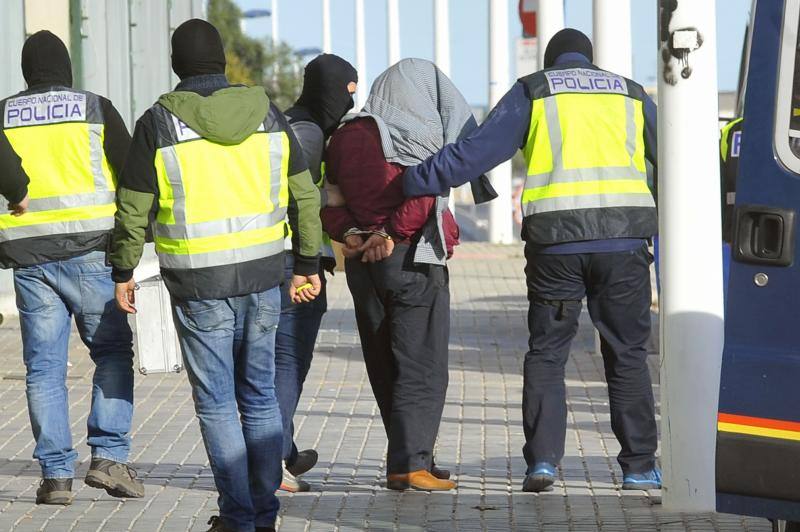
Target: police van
x,y
758,425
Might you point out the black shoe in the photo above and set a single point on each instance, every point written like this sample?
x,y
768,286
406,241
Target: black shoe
x,y
55,491
305,461
265,529
118,479
440,473
217,525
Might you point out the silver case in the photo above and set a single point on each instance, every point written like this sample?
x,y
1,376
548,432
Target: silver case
x,y
155,340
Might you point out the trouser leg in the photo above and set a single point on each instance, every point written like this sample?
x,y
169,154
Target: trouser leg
x,y
619,298
419,311
555,290
105,331
254,359
206,332
294,349
45,326
373,329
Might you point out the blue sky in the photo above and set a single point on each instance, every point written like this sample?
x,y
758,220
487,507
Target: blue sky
x,y
301,27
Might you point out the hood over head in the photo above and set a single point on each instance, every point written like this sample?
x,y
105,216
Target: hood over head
x,y
567,40
197,49
325,95
228,116
45,60
419,111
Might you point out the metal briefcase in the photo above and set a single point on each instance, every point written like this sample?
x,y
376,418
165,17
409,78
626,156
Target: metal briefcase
x,y
155,340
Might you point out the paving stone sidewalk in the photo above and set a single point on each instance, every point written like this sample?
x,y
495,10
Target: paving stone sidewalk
x,y
480,439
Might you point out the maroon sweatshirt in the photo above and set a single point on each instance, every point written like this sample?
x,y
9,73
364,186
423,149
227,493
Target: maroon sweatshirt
x,y
373,189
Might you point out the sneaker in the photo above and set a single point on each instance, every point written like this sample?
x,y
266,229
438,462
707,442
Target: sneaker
x,y
541,478
303,463
118,479
54,491
650,480
217,525
292,484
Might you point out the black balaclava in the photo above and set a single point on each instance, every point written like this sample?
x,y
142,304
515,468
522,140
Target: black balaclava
x,y
325,93
567,40
45,61
197,49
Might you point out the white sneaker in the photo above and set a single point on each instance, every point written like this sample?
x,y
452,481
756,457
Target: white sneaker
x,y
292,484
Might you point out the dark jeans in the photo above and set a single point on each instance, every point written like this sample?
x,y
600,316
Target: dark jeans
x,y
294,349
617,288
403,317
228,347
48,296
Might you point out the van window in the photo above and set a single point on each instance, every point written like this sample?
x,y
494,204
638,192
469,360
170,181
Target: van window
x,y
787,111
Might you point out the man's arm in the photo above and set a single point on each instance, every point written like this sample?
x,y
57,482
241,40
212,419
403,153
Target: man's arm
x,y
651,142
503,132
304,199
136,194
13,179
116,139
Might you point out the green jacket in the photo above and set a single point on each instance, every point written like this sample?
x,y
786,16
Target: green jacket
x,y
228,115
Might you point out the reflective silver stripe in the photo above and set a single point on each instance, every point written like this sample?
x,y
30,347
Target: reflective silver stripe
x,y
71,202
630,130
218,227
56,228
578,175
96,155
275,165
173,169
730,198
588,201
221,258
554,131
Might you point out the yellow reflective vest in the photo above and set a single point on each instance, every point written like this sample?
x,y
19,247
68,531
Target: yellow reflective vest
x,y
585,158
200,224
58,135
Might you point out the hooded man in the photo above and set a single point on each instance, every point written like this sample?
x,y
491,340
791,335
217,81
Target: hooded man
x,y
220,165
588,212
61,151
327,96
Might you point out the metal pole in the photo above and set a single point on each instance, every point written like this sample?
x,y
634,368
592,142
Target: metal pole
x,y
691,304
393,27
326,26
549,21
500,211
612,36
275,36
361,55
441,17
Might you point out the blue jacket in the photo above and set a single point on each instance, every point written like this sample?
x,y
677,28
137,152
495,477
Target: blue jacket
x,y
504,132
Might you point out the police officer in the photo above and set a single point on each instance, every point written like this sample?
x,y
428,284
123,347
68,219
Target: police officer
x,y
220,165
588,212
61,150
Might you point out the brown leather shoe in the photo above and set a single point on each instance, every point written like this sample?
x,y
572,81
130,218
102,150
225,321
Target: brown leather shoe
x,y
421,480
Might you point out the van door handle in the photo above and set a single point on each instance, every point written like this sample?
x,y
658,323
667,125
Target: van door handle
x,y
764,235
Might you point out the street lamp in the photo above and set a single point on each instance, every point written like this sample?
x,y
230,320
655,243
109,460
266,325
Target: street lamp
x,y
253,13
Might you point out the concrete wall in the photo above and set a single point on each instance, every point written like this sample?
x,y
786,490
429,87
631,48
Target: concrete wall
x,y
124,55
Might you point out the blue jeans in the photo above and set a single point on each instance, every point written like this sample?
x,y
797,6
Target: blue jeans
x,y
294,349
228,348
48,295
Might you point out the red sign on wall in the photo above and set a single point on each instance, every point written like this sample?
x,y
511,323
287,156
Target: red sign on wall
x,y
527,14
